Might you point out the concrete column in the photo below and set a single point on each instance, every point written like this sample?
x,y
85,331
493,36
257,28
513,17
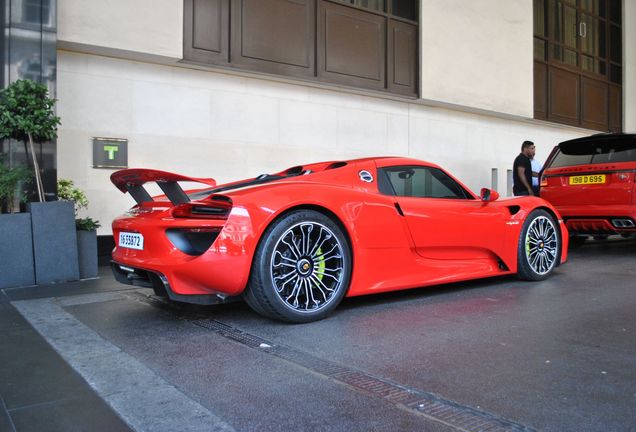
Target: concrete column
x,y
629,66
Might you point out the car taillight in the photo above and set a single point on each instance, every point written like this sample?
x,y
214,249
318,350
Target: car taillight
x,y
217,210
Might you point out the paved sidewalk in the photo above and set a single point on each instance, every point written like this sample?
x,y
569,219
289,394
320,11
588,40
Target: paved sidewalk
x,y
39,391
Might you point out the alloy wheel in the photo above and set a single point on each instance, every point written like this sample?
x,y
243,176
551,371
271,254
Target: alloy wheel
x,y
307,267
541,245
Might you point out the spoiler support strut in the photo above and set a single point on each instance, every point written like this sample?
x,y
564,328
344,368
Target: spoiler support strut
x,y
139,194
173,191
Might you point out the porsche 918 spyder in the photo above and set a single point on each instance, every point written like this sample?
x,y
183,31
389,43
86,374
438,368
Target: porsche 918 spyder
x,y
294,243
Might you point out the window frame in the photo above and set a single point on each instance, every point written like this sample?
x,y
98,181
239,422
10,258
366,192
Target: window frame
x,y
590,89
393,50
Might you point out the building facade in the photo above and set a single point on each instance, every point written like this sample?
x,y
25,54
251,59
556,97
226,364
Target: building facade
x,y
233,88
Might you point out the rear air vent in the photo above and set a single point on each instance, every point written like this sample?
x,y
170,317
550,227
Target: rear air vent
x,y
335,165
221,198
208,211
294,170
192,241
212,210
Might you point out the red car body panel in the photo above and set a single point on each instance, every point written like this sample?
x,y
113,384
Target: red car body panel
x,y
594,208
434,241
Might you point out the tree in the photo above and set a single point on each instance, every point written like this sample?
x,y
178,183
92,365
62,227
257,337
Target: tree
x,y
26,114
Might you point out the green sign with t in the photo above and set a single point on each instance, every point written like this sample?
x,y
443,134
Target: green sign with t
x,y
110,153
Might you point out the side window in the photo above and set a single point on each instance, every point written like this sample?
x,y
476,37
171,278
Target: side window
x,y
421,182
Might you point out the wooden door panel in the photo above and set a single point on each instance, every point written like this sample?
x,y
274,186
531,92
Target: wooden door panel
x,y
274,36
353,44
206,31
402,43
594,104
540,90
615,108
564,98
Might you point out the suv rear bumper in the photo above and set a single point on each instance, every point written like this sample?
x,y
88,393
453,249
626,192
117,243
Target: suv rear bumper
x,y
588,219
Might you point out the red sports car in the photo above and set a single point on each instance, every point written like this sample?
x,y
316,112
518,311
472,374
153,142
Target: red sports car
x,y
591,182
294,243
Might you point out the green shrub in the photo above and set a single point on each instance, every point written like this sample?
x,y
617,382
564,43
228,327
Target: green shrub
x,y
66,191
10,181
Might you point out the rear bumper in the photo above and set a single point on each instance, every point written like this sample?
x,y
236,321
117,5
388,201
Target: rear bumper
x,y
605,225
159,283
223,269
599,219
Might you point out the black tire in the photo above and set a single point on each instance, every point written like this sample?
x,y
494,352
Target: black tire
x,y
539,249
301,268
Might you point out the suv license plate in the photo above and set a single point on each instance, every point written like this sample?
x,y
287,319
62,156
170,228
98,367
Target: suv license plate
x,y
587,179
131,240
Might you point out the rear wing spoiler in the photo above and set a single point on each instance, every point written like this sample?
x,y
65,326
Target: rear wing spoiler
x,y
132,181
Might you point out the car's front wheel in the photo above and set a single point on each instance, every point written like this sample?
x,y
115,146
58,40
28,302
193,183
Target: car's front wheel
x,y
301,268
539,249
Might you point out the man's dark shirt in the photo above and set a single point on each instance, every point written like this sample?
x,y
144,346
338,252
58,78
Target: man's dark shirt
x,y
517,186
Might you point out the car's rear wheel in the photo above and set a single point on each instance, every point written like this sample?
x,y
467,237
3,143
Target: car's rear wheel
x,y
539,248
301,268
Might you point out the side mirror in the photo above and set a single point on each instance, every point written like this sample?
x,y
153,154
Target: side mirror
x,y
488,195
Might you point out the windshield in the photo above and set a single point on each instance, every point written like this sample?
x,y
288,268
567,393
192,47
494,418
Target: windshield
x,y
594,152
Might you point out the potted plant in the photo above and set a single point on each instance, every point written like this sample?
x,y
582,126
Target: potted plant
x,y
27,115
16,247
86,228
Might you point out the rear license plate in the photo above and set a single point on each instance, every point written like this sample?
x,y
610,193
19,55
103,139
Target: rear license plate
x,y
131,240
587,179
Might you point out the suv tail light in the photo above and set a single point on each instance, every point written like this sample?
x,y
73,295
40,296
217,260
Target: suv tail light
x,y
216,210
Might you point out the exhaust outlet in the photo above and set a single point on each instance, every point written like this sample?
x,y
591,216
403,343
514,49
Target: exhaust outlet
x,y
623,223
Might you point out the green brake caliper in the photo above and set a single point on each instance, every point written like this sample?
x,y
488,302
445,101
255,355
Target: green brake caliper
x,y
321,264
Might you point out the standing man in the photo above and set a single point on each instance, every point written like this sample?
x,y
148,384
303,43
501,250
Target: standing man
x,y
522,171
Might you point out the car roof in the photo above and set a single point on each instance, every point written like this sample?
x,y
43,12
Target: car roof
x,y
605,137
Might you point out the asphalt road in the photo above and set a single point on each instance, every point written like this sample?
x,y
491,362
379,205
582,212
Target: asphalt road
x,y
495,354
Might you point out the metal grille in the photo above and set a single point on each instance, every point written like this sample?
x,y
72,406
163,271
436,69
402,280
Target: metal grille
x,y
459,417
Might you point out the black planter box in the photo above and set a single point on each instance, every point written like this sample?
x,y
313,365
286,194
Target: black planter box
x,y
54,241
16,250
87,254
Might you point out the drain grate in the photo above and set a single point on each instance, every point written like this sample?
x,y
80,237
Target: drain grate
x,y
459,417
232,333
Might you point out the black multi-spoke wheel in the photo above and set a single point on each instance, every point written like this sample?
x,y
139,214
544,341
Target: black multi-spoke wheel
x,y
301,269
539,246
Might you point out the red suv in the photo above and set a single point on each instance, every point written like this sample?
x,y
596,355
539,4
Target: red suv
x,y
591,182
